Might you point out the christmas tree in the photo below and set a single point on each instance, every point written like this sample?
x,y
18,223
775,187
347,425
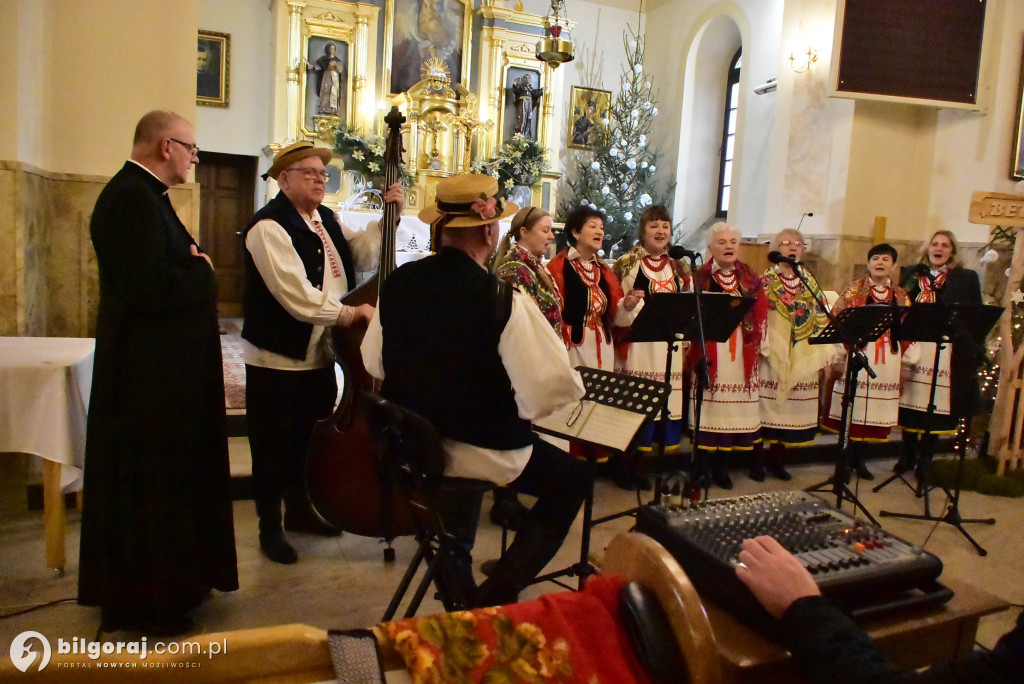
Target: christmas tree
x,y
617,176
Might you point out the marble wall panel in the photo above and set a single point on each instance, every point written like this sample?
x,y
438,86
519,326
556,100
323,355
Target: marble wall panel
x,y
33,200
9,254
48,276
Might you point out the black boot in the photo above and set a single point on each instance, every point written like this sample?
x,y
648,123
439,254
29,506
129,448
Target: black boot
x,y
720,470
908,458
272,542
757,471
529,552
775,454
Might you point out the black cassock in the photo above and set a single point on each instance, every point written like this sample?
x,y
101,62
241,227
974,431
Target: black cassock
x,y
157,529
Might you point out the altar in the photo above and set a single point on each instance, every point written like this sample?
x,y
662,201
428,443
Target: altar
x,y
466,86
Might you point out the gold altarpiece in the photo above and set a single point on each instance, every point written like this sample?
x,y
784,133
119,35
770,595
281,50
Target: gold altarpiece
x,y
449,124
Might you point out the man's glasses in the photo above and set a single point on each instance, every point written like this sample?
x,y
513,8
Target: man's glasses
x,y
795,243
191,147
310,172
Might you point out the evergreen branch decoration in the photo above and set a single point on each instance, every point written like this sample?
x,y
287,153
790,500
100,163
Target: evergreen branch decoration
x,y
365,156
617,176
519,161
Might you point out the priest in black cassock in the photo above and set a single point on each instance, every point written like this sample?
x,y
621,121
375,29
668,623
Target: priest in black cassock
x,y
157,531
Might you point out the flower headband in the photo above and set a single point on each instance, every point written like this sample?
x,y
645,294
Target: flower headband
x,y
485,207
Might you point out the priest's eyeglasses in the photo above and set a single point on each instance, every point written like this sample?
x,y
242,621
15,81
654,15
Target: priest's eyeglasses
x,y
795,243
310,172
191,147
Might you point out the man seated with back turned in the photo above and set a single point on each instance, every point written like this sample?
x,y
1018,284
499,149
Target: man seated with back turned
x,y
299,262
478,360
831,648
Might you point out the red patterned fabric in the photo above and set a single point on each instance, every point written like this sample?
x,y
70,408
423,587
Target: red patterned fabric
x,y
752,326
564,637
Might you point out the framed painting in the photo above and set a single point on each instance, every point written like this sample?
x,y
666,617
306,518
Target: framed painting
x,y
213,69
1017,172
588,109
521,111
326,89
417,31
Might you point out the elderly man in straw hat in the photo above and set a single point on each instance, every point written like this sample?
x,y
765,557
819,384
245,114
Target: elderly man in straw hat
x,y
299,261
478,360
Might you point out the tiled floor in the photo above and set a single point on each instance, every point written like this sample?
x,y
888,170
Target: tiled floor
x,y
343,582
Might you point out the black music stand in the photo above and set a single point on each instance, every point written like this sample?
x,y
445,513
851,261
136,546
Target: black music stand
x,y
965,325
621,393
924,323
672,317
854,327
704,317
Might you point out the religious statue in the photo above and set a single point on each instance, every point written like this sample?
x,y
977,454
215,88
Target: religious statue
x,y
330,78
525,97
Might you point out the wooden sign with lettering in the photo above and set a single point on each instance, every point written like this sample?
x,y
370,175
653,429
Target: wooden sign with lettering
x,y
996,209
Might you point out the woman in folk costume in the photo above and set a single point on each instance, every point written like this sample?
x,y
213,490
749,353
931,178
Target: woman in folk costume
x,y
876,402
788,372
593,301
730,419
648,267
938,278
521,266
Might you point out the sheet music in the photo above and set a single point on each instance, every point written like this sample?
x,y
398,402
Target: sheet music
x,y
593,422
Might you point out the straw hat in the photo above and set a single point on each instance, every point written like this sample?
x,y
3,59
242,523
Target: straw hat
x,y
293,153
468,200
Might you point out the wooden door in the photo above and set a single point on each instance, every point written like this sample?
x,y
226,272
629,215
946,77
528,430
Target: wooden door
x,y
226,203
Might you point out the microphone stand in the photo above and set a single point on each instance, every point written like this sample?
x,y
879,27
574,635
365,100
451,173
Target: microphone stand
x,y
699,480
952,516
855,361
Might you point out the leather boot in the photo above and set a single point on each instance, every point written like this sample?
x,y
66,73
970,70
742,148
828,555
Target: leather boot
x,y
526,557
775,453
757,471
720,470
272,542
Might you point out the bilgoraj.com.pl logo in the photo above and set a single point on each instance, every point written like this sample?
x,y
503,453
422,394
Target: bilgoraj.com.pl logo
x,y
23,654
32,650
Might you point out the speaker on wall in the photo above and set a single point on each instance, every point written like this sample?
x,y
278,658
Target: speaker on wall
x,y
917,50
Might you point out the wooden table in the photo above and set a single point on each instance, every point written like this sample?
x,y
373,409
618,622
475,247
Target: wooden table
x,y
44,397
912,639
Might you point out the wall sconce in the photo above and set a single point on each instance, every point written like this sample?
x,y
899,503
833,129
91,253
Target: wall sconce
x,y
804,61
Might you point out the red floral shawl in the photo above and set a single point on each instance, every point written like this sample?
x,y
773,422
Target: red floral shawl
x,y
857,294
557,266
752,327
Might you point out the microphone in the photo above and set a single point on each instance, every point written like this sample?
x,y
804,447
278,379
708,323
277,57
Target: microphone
x,y
926,271
779,258
802,217
679,252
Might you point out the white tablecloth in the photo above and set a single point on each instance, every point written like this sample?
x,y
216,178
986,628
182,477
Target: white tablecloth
x,y
44,396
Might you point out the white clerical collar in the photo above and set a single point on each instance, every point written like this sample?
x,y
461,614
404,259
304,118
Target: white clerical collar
x,y
141,166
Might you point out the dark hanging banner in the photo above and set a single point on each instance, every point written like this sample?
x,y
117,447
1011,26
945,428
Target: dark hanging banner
x,y
923,49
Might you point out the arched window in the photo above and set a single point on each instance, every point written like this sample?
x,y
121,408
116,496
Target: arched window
x,y
732,101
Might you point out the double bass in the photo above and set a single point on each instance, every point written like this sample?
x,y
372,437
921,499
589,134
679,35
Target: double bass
x,y
343,471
